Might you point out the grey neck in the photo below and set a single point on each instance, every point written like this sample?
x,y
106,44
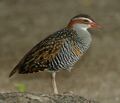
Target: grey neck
x,y
84,37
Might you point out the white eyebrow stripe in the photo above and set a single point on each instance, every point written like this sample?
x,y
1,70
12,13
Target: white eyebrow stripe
x,y
83,18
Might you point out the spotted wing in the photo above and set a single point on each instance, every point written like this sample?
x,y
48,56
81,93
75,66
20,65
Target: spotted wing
x,y
39,57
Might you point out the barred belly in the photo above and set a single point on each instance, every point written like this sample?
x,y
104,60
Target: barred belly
x,y
66,58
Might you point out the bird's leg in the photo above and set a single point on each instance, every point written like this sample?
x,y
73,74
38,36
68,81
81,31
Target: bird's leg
x,y
54,83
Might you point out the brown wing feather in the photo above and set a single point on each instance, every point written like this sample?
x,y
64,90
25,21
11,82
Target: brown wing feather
x,y
38,58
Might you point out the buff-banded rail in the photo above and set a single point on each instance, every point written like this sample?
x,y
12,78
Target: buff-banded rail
x,y
60,50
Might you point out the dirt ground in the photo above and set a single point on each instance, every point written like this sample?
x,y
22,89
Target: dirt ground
x,y
23,23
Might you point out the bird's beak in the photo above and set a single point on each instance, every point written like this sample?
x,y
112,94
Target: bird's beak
x,y
94,25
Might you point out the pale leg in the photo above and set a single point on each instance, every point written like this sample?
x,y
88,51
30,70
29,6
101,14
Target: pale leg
x,y
54,83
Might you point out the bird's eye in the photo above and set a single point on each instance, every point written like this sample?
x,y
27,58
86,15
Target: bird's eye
x,y
86,21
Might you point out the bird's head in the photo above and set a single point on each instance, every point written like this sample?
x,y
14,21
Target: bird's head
x,y
83,21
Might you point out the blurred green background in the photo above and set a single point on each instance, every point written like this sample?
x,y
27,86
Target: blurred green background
x,y
23,23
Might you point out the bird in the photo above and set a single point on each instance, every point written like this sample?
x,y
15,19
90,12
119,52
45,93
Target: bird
x,y
60,50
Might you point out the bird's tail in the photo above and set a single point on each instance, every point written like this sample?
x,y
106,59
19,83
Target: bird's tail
x,y
13,71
